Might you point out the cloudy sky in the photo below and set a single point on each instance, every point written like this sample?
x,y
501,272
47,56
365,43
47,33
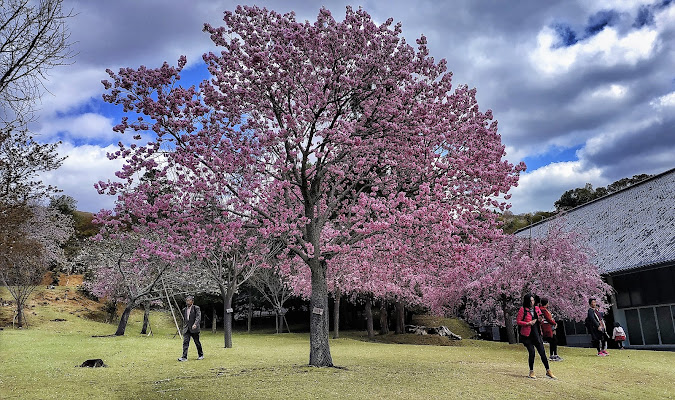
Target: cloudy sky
x,y
584,91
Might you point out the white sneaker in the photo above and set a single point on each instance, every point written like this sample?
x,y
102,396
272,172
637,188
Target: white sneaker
x,y
200,358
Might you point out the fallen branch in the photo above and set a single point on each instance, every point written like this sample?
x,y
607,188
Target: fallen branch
x,y
424,330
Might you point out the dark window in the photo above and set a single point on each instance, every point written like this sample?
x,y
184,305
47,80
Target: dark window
x,y
623,299
649,288
645,288
665,318
666,284
633,326
621,286
649,330
635,289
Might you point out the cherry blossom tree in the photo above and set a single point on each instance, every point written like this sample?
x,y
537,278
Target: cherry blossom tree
x,y
556,266
219,248
228,265
124,270
327,133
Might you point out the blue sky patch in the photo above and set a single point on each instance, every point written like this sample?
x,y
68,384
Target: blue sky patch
x,y
644,17
567,36
553,155
598,21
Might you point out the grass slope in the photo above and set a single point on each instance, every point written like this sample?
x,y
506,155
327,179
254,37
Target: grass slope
x,y
40,363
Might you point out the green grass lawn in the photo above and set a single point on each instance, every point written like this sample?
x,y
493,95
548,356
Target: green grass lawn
x,y
40,363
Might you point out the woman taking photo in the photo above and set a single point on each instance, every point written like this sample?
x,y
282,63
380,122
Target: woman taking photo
x,y
530,334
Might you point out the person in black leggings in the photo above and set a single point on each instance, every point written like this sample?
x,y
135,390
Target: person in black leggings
x,y
530,334
596,327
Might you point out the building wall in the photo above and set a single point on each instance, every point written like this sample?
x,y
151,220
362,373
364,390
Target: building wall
x,y
644,304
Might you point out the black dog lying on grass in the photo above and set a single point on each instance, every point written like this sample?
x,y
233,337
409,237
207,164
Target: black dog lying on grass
x,y
94,363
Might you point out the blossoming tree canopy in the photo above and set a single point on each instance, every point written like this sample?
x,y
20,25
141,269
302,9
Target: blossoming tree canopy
x,y
557,266
325,132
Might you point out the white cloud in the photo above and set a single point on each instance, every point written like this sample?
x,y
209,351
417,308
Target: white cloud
x,y
665,101
70,87
88,126
515,154
610,92
665,19
539,189
607,48
84,166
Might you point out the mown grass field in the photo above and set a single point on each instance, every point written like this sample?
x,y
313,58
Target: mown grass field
x,y
41,363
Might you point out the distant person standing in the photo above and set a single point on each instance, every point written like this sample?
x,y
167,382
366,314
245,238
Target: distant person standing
x,y
548,330
530,334
192,316
596,327
618,335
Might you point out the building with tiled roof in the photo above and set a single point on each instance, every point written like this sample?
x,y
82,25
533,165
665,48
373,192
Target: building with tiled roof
x,y
632,232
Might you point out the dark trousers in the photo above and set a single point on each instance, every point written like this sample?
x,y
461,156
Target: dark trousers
x,y
599,343
553,341
186,343
534,341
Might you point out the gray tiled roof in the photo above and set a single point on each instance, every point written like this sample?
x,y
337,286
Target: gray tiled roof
x,y
632,228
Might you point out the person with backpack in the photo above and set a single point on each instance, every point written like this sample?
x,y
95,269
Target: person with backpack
x,y
618,335
548,330
530,334
595,324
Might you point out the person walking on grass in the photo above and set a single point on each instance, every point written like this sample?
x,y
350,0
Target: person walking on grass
x,y
530,334
618,335
192,317
548,330
596,327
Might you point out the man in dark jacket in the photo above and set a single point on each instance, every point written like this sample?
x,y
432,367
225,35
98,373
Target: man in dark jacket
x,y
596,327
192,316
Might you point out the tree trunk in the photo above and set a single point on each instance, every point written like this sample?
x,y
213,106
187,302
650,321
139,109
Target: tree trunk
x,y
400,316
227,316
19,314
146,317
508,323
336,315
249,317
384,318
280,317
276,320
214,320
369,318
288,328
122,326
319,348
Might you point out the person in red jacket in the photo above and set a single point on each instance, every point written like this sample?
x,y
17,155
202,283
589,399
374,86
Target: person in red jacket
x,y
530,334
548,327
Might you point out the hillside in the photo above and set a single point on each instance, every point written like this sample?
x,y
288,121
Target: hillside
x,y
64,308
